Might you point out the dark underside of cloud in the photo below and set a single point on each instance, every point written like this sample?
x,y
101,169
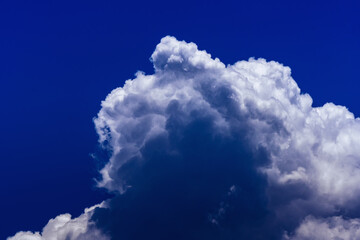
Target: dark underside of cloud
x,y
200,150
193,183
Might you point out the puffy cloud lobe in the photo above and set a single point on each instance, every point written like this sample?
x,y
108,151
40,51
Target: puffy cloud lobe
x,y
63,227
334,228
201,150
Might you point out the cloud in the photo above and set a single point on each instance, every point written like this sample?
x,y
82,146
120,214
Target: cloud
x,y
64,227
329,228
204,150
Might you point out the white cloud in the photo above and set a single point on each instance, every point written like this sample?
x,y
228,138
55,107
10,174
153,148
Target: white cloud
x,y
315,146
334,228
63,227
315,149
26,236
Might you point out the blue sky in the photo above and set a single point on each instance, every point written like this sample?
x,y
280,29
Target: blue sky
x,y
59,60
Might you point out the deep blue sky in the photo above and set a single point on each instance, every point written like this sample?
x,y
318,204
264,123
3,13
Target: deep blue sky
x,y
59,59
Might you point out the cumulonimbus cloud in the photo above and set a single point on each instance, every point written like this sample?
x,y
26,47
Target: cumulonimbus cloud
x,y
204,150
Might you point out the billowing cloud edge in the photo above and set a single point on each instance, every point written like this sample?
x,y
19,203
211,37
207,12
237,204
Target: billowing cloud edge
x,y
326,228
65,227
